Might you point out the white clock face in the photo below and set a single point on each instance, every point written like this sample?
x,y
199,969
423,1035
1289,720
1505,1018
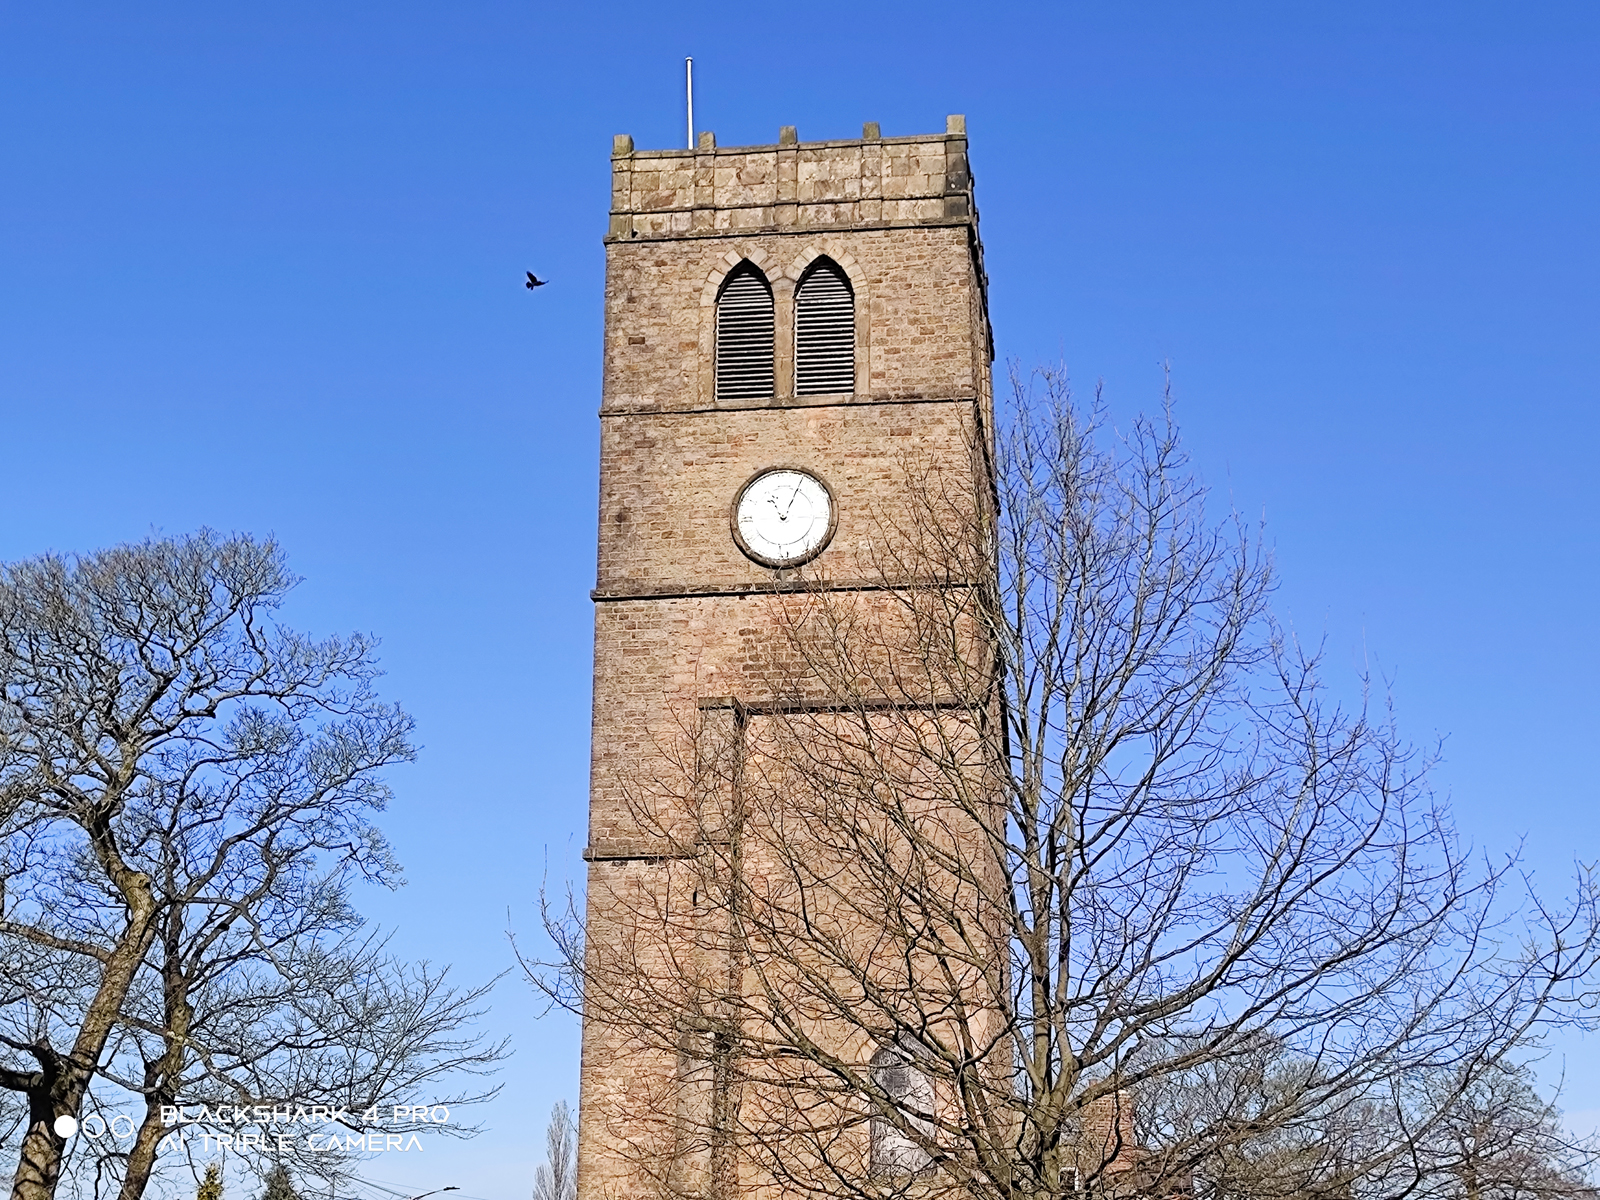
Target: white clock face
x,y
783,517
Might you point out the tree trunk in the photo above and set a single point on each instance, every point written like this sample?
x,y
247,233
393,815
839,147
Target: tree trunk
x,y
39,1165
161,1076
142,1155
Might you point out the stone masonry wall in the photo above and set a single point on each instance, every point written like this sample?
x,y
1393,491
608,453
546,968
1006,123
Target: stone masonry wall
x,y
921,328
669,483
681,614
667,193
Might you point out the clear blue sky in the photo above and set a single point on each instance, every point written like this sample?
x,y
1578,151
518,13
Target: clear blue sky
x,y
260,268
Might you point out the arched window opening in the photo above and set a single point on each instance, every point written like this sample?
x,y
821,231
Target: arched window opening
x,y
893,1150
824,331
744,336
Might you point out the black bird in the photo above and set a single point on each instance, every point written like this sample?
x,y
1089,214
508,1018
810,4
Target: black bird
x,y
534,281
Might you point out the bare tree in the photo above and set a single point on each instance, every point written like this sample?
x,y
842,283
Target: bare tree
x,y
1016,852
1498,1139
186,794
557,1177
275,1016
1470,1131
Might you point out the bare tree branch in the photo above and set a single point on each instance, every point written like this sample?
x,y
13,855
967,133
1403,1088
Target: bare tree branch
x,y
1003,862
187,793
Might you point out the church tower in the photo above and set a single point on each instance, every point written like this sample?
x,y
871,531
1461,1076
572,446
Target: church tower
x,y
786,326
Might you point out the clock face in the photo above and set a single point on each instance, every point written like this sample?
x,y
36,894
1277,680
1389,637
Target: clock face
x,y
783,517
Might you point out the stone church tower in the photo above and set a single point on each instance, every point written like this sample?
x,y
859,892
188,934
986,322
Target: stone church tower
x,y
785,325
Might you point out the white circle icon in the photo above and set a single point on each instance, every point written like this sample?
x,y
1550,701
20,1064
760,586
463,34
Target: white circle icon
x,y
66,1125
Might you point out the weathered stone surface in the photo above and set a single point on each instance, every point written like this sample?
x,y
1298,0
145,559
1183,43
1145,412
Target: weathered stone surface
x,y
681,614
830,179
918,334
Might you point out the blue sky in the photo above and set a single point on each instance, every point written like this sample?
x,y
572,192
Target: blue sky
x,y
260,269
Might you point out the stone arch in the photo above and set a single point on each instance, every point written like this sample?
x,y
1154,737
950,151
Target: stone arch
x,y
715,278
855,273
744,346
828,248
824,330
730,262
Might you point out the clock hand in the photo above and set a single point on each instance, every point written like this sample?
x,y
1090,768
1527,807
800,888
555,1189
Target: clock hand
x,y
784,515
792,495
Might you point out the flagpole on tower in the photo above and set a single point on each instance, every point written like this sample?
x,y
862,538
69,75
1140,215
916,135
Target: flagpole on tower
x,y
688,87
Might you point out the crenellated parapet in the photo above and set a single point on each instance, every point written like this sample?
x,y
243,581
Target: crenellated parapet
x,y
870,182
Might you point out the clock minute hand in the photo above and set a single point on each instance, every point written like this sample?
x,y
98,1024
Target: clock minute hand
x,y
792,496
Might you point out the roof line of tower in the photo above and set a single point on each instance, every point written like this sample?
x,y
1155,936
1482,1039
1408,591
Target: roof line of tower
x,y
955,128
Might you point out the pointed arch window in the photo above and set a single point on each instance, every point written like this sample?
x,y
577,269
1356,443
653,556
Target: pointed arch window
x,y
893,1151
824,331
744,335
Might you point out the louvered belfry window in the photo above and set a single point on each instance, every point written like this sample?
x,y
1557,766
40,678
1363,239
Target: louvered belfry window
x,y
744,336
824,332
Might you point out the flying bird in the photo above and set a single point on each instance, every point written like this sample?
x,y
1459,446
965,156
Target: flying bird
x,y
534,281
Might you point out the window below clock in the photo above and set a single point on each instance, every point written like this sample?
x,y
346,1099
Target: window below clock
x,y
893,1151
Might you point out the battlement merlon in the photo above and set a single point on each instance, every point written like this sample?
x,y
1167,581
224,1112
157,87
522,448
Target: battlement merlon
x,y
871,182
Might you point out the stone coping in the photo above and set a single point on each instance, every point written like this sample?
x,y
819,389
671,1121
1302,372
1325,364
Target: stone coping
x,y
768,147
